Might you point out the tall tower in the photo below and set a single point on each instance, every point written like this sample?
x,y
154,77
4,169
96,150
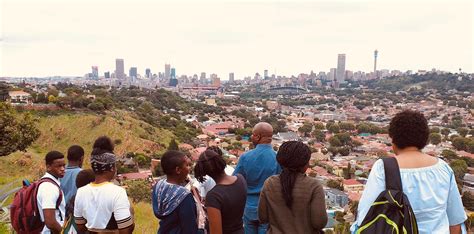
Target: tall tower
x,y
341,68
167,71
119,69
376,52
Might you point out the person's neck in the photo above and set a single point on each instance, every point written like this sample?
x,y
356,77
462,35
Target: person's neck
x,y
220,178
408,150
55,176
74,164
101,179
173,180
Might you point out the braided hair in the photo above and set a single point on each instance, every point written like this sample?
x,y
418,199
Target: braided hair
x,y
292,156
210,163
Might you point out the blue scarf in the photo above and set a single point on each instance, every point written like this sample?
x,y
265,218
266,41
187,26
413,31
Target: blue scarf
x,y
169,196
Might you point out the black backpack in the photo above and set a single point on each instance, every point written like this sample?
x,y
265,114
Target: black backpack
x,y
391,212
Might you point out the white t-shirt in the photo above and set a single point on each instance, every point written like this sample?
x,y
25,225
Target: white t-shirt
x,y
48,195
95,204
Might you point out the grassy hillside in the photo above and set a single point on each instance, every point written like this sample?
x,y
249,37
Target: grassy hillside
x,y
61,131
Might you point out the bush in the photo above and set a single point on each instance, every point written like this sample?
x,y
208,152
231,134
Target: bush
x,y
139,190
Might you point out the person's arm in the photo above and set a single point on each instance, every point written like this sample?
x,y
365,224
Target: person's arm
x,y
262,205
78,216
239,168
319,217
50,220
215,220
456,229
454,207
47,196
154,201
188,215
122,213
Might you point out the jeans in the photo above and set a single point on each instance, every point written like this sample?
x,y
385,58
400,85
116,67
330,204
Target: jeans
x,y
254,226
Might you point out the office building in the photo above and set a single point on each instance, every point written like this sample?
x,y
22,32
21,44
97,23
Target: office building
x,y
341,68
119,69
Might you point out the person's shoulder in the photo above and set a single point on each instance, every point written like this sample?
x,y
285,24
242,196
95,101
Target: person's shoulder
x,y
272,180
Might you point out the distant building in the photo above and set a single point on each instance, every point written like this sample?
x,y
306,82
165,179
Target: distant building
x,y
216,81
341,68
133,72
231,77
211,102
173,73
95,73
119,69
167,71
286,136
332,74
202,78
265,74
272,105
148,73
19,97
106,75
336,198
353,185
468,183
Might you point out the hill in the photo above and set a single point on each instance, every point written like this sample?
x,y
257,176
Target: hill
x,y
61,131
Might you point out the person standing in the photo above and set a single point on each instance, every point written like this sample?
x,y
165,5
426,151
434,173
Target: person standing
x,y
256,166
428,182
225,202
102,206
50,199
75,158
172,203
293,202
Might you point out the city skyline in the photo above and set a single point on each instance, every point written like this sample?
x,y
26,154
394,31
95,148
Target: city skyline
x,y
285,38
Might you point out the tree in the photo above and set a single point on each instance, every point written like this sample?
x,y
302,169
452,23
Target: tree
x,y
335,184
142,160
305,129
435,138
334,141
17,132
96,106
319,135
449,154
363,128
52,99
468,200
347,126
445,131
319,126
4,88
173,145
434,130
344,151
459,168
139,190
460,143
333,128
462,131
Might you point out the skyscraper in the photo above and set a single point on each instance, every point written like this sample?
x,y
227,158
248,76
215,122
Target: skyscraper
x,y
119,69
95,72
173,73
231,77
202,78
148,73
167,71
376,52
341,68
107,75
265,74
133,72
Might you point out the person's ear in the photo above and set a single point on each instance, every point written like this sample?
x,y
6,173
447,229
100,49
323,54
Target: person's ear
x,y
177,170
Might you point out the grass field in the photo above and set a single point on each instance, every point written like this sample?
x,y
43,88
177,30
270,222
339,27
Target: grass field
x,y
145,220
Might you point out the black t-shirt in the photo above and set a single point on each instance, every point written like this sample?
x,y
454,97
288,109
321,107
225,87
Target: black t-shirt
x,y
230,200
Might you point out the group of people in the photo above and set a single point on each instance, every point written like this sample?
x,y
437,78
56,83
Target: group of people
x,y
268,192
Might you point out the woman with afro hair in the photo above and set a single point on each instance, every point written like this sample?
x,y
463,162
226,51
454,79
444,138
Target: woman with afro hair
x,y
427,181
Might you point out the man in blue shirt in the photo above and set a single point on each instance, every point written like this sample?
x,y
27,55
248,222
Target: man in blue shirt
x,y
256,166
75,157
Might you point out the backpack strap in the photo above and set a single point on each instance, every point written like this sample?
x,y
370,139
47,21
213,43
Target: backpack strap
x,y
60,198
393,179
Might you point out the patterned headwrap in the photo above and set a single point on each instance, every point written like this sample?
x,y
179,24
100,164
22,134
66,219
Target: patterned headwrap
x,y
103,162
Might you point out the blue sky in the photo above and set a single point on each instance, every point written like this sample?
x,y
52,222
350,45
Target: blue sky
x,y
67,37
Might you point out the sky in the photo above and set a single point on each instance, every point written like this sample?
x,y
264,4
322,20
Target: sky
x,y
67,37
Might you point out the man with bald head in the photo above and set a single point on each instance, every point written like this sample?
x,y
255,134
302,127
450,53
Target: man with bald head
x,y
256,166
